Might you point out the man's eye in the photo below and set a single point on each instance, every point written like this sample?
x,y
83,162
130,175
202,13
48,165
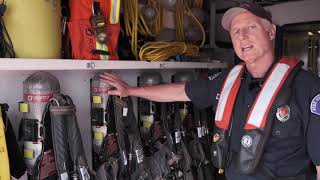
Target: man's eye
x,y
252,26
236,32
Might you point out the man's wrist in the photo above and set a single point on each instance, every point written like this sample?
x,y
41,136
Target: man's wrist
x,y
131,91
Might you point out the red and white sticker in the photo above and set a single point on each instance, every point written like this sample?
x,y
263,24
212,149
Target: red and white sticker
x,y
100,89
37,97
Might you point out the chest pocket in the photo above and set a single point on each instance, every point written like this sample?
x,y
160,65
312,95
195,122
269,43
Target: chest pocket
x,y
287,127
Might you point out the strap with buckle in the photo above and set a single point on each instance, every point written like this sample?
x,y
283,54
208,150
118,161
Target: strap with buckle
x,y
32,130
98,23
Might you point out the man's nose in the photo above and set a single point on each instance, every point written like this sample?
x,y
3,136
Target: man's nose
x,y
243,33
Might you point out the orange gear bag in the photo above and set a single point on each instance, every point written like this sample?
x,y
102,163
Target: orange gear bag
x,y
94,28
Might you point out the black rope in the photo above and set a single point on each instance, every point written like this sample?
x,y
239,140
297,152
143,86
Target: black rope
x,y
6,46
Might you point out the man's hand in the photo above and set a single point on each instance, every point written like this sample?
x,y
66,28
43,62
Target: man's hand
x,y
161,93
121,88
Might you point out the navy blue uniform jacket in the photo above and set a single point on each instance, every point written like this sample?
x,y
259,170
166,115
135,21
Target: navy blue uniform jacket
x,y
293,144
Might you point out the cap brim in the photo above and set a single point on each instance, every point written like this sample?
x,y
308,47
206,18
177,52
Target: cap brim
x,y
229,15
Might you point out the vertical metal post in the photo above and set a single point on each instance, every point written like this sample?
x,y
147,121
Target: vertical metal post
x,y
212,31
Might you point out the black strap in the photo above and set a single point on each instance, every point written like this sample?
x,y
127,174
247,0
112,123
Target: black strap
x,y
29,130
96,7
100,52
17,165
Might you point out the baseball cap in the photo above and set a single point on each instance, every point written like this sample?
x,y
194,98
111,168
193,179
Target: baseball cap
x,y
245,7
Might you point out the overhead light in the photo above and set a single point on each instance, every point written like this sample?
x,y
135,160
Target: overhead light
x,y
319,32
310,33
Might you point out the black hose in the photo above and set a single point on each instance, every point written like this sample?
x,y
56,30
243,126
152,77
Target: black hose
x,y
6,46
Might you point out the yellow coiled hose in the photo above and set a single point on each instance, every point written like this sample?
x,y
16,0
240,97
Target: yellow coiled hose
x,y
159,51
134,22
131,23
162,50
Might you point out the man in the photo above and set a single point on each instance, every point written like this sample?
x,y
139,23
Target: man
x,y
267,110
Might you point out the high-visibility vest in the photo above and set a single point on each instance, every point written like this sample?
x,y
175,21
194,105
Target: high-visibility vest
x,y
260,117
84,43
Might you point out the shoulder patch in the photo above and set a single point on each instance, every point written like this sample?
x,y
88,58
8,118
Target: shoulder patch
x,y
213,76
315,105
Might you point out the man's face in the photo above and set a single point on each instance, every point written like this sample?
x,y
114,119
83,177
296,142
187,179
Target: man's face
x,y
251,37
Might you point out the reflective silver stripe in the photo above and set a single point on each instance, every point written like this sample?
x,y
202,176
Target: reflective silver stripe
x,y
232,77
99,46
92,8
114,11
266,94
64,176
102,47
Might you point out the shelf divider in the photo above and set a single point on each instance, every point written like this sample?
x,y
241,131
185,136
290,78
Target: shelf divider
x,y
16,64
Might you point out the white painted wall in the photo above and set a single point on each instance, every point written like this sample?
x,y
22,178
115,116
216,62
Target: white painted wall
x,y
295,12
76,84
284,13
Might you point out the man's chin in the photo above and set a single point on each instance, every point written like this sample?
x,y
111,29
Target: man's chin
x,y
248,60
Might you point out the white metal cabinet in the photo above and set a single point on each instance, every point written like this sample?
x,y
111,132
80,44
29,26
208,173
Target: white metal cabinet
x,y
74,77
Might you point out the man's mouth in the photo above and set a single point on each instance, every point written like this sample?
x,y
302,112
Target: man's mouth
x,y
247,48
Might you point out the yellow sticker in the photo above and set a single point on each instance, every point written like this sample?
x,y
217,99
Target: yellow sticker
x,y
28,153
96,99
98,136
23,107
221,171
147,124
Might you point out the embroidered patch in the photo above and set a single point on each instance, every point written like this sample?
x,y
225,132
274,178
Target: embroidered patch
x,y
315,105
214,76
246,141
283,113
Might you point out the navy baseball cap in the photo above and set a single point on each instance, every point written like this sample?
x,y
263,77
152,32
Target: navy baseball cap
x,y
245,7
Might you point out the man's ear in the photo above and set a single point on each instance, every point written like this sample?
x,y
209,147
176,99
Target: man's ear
x,y
272,32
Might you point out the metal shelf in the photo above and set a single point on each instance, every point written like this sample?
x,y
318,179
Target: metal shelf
x,y
16,64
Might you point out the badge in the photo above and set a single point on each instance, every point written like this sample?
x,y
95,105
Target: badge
x,y
216,137
315,105
283,113
246,141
